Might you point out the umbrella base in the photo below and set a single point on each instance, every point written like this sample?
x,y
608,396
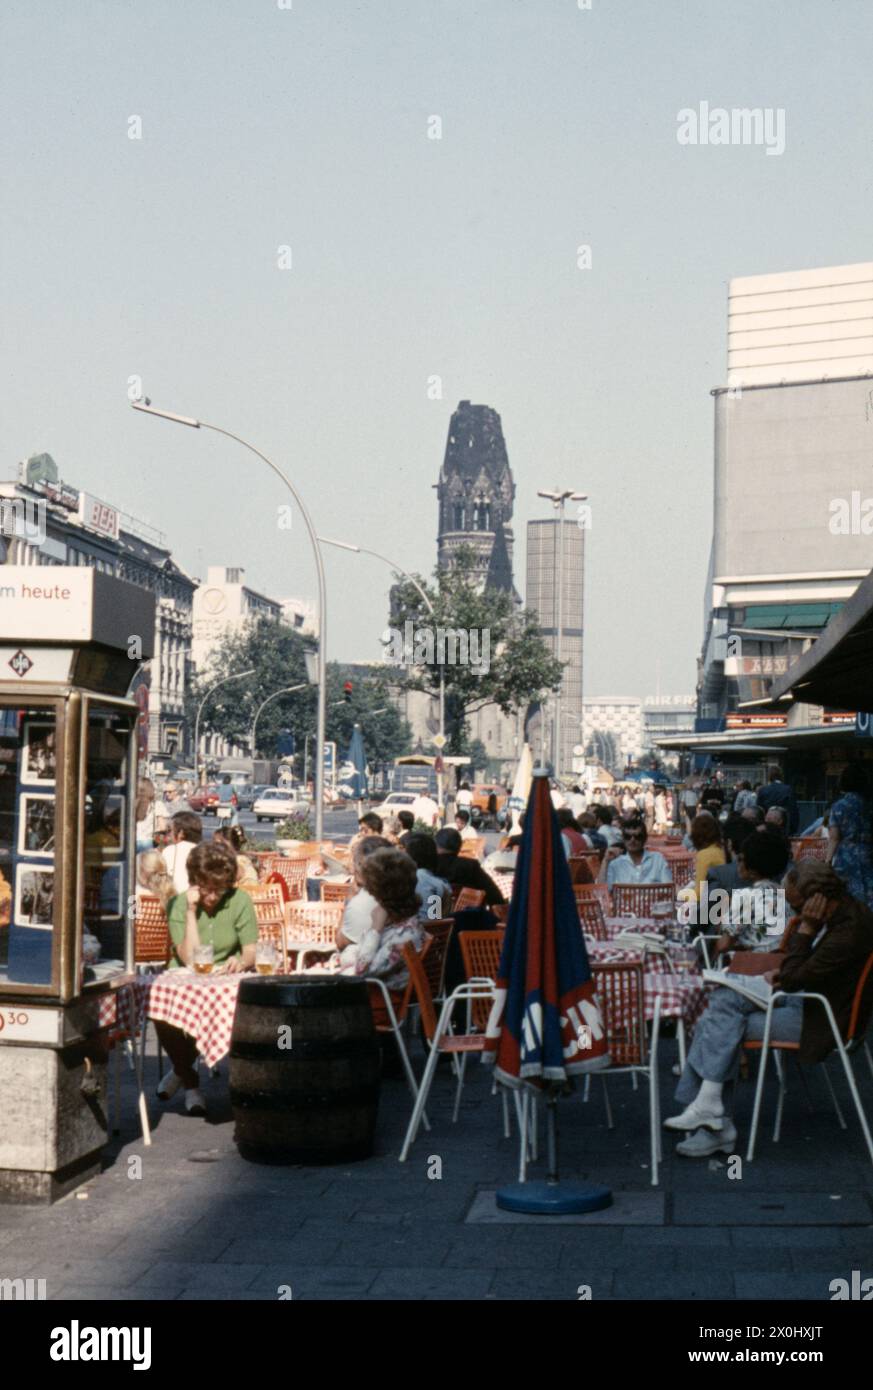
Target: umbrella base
x,y
553,1199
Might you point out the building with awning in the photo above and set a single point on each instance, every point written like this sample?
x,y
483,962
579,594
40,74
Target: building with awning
x,y
837,669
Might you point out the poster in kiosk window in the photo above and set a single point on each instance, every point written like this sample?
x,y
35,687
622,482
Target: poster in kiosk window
x,y
68,732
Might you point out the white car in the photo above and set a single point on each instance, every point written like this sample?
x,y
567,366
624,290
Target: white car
x,y
277,802
394,802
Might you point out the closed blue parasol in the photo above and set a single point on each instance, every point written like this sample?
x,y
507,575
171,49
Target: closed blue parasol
x,y
545,1027
356,756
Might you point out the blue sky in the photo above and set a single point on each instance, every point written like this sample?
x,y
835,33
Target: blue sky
x,y
411,257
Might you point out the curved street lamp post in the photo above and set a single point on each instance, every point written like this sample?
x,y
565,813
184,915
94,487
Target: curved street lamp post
x,y
319,568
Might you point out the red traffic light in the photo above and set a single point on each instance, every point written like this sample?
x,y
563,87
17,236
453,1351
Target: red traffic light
x,y
347,691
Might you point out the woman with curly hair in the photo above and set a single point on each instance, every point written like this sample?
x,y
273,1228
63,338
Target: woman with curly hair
x,y
390,876
213,912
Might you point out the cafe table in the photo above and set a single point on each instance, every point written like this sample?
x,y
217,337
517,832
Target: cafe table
x,y
201,1005
682,993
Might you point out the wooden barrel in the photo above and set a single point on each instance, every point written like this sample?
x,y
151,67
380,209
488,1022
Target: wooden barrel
x,y
308,1095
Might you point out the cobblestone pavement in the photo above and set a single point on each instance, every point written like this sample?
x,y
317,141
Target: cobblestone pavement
x,y
201,1223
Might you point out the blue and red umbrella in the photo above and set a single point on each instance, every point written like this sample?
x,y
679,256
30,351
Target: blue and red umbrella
x,y
546,1024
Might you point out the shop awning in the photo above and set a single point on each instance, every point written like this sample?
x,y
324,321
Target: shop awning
x,y
837,671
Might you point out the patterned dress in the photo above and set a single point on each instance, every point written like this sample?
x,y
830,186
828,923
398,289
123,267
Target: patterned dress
x,y
381,952
853,858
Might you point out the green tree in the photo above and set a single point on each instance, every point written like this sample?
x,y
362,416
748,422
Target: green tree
x,y
519,668
385,732
276,653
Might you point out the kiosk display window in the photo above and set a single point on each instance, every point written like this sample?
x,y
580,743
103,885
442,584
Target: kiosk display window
x,y
28,842
106,813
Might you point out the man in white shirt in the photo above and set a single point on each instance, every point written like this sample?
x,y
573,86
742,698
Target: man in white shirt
x,y
463,826
636,864
463,797
557,797
425,809
578,802
187,831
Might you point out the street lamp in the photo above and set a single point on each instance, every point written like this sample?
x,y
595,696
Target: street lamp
x,y
319,569
558,498
237,677
363,550
289,690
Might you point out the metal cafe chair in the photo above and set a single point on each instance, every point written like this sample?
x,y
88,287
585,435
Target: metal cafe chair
x,y
468,897
638,897
440,1040
619,989
151,951
592,918
270,915
855,1041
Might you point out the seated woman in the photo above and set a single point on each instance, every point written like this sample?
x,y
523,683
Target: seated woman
x,y
234,837
434,893
389,876
706,839
757,916
212,912
358,911
824,954
152,877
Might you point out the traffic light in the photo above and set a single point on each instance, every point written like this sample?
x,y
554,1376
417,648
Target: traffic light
x,y
347,692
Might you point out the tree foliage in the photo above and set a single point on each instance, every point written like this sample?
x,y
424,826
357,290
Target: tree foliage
x,y
519,668
276,654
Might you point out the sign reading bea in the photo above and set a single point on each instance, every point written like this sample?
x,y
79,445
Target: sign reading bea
x,y
99,516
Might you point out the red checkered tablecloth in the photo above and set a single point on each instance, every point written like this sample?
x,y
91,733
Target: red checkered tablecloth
x,y
683,993
202,1005
123,1007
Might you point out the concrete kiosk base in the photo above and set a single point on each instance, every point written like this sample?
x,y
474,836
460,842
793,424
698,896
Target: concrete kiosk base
x,y
52,1136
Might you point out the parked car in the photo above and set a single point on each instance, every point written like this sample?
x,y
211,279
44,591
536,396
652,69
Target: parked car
x,y
277,802
489,799
204,800
394,802
245,795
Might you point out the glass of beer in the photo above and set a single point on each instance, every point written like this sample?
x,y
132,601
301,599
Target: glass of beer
x,y
203,959
265,958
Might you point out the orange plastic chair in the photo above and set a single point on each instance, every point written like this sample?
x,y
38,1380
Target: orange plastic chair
x,y
480,952
472,849
151,933
270,914
638,897
336,892
809,847
620,995
441,1041
592,919
599,891
468,897
293,871
584,867
854,1041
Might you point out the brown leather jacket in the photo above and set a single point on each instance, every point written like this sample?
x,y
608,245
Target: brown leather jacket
x,y
832,969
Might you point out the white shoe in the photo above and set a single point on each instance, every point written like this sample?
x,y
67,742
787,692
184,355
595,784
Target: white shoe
x,y
696,1116
168,1086
194,1102
702,1143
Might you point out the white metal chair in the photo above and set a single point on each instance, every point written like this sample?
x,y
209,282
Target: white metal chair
x,y
620,994
855,1042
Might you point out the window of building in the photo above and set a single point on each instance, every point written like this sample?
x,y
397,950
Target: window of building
x,y
232,576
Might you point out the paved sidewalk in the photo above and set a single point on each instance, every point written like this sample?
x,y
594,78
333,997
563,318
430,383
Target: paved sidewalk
x,y
200,1223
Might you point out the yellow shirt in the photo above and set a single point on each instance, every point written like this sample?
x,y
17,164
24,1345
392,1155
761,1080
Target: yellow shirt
x,y
707,859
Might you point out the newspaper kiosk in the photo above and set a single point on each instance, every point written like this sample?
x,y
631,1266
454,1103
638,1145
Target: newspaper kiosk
x,y
71,640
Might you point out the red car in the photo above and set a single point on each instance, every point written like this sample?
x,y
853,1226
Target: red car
x,y
204,800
